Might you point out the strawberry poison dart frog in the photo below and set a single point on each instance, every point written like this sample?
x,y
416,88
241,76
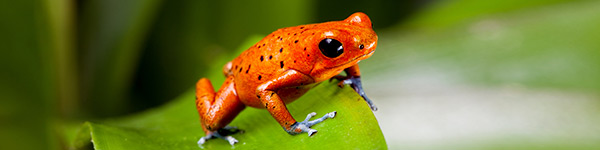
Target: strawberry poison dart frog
x,y
282,67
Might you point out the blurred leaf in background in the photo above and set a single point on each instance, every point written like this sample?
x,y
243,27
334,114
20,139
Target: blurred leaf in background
x,y
110,35
34,41
444,14
490,75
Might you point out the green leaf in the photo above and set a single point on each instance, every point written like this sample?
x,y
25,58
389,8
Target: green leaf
x,y
177,126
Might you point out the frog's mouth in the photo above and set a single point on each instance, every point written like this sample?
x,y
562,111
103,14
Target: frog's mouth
x,y
365,56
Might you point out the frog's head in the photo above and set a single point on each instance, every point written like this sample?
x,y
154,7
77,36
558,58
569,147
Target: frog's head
x,y
344,44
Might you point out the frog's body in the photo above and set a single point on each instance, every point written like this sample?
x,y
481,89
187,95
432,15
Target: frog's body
x,y
282,67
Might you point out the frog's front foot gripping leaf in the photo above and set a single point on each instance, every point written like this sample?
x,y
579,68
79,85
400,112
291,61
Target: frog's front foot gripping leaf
x,y
222,134
355,83
304,126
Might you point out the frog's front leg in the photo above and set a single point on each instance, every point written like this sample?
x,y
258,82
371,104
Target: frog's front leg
x,y
276,106
352,78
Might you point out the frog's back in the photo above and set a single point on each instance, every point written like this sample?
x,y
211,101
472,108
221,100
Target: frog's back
x,y
284,49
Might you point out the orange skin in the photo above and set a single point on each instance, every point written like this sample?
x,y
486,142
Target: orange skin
x,y
281,68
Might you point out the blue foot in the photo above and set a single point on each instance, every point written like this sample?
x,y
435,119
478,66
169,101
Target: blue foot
x,y
222,134
355,83
305,125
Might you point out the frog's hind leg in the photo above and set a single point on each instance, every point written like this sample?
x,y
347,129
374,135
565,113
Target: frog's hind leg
x,y
217,109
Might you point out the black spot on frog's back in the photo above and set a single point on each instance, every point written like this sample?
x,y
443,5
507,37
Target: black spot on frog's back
x,y
281,64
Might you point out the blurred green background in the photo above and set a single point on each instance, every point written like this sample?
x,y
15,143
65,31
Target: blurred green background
x,y
448,74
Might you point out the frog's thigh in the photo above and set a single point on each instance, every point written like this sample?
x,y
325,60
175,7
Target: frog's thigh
x,y
225,107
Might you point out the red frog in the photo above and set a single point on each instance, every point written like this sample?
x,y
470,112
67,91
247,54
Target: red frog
x,y
281,68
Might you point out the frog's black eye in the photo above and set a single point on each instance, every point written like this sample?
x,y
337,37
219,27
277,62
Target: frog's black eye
x,y
331,48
